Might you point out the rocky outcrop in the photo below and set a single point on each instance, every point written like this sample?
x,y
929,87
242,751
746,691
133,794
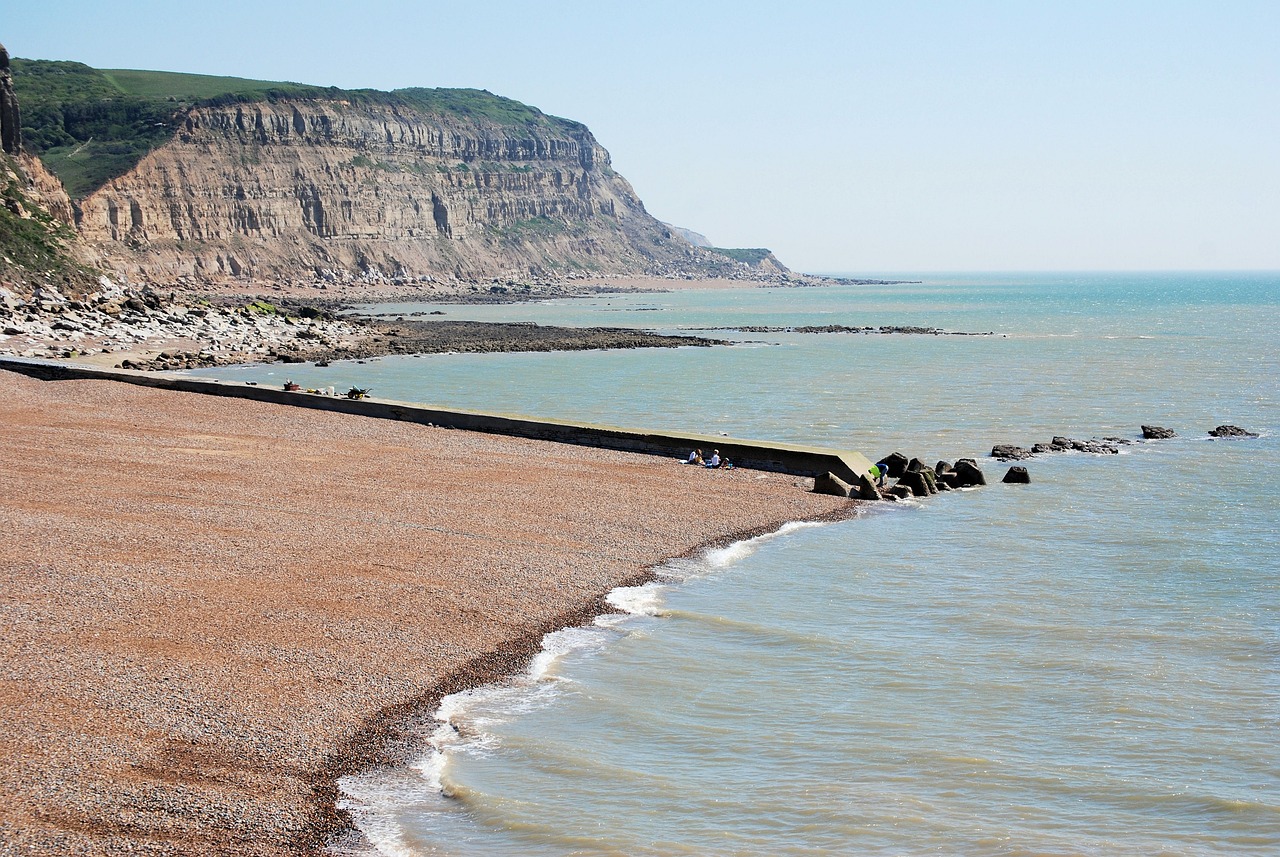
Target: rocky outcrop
x,y
1157,433
1231,431
10,119
298,189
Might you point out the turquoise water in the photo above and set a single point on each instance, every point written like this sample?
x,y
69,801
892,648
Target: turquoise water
x,y
1089,664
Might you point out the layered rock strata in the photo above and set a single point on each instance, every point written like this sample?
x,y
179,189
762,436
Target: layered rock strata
x,y
334,190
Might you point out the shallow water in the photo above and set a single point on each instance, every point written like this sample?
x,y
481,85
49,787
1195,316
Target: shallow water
x,y
1084,665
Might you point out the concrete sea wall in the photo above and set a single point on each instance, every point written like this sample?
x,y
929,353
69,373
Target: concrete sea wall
x,y
758,455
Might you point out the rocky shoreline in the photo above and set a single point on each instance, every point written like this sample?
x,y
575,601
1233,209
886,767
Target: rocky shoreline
x,y
146,329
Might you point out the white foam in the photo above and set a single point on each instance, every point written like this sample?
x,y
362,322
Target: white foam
x,y
643,600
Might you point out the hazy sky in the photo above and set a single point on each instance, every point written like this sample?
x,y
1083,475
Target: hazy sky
x,y
858,136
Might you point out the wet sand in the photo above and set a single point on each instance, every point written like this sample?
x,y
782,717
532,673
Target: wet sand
x,y
213,607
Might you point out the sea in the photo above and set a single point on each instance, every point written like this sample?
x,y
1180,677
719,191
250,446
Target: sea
x,y
1088,664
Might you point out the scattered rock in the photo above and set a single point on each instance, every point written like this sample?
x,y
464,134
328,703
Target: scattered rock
x,y
1017,475
1157,433
1009,452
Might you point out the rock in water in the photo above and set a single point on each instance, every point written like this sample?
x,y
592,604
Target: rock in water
x,y
1009,452
1157,433
896,464
968,474
867,489
1017,475
1231,431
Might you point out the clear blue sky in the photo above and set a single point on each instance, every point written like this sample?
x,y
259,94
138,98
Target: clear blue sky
x,y
858,136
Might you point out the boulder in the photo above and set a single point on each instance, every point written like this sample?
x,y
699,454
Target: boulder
x,y
1157,433
902,492
1231,431
896,464
968,474
829,483
866,488
1009,452
942,467
1017,475
916,481
915,465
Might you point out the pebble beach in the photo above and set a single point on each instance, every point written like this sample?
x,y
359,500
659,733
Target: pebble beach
x,y
213,608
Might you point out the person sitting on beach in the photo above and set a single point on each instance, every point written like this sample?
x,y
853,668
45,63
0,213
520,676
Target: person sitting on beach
x,y
714,460
695,457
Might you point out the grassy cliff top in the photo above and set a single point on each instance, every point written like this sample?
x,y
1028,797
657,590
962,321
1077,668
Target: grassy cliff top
x,y
90,125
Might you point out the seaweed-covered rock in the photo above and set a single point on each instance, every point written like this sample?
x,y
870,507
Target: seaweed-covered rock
x,y
920,485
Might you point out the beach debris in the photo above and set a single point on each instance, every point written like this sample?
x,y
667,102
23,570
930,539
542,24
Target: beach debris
x,y
1157,433
1017,475
358,393
1231,431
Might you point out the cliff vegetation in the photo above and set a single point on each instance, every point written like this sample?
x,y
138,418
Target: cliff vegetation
x,y
92,125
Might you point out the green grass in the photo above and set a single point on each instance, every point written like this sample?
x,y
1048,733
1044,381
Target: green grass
x,y
178,86
35,246
91,125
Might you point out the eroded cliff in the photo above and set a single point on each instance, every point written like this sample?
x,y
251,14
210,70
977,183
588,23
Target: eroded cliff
x,y
311,188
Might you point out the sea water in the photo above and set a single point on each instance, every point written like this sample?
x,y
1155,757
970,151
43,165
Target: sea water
x,y
1089,664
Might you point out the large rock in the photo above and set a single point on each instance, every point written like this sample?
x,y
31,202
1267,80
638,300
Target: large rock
x,y
829,483
1231,431
1157,433
967,474
896,464
1009,452
866,488
919,484
1017,475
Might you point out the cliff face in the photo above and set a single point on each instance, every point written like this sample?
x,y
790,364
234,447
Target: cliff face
x,y
320,189
10,120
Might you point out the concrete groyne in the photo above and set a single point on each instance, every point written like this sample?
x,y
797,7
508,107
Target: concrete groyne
x,y
787,458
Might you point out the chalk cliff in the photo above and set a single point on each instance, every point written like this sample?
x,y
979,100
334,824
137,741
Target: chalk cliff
x,y
316,188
